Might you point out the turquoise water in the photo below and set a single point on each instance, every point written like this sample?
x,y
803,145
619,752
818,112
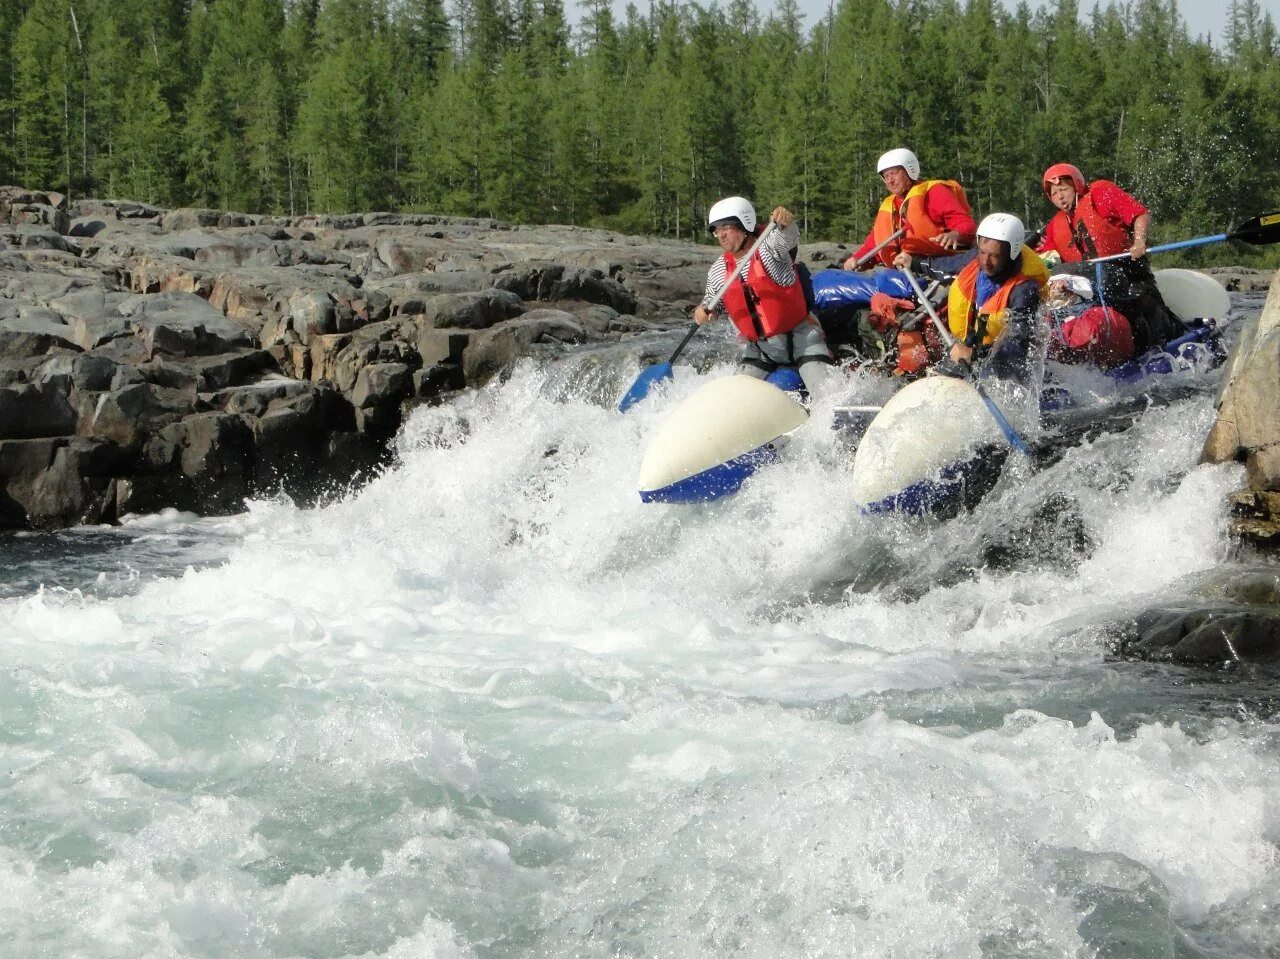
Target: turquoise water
x,y
493,706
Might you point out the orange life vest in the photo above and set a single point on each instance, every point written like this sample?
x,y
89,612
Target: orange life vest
x,y
911,213
965,317
761,307
1087,233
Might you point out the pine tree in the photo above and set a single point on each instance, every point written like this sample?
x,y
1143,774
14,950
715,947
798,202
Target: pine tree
x,y
48,62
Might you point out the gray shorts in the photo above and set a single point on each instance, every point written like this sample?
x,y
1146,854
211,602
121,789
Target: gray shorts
x,y
801,345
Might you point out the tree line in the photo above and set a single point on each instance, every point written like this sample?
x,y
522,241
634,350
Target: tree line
x,y
636,122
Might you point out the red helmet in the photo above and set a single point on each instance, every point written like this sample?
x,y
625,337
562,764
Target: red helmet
x,y
1058,171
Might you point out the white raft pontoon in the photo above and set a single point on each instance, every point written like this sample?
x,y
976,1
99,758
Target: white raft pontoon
x,y
716,438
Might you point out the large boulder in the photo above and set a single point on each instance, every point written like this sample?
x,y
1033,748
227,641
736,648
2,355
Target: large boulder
x,y
557,282
181,324
1247,429
490,352
129,416
470,311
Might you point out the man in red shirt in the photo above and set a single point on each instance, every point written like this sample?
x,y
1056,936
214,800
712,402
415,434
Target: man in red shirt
x,y
1100,219
934,215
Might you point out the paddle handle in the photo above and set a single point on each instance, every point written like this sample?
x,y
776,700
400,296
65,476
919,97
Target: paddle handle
x,y
693,328
1165,247
899,232
1006,427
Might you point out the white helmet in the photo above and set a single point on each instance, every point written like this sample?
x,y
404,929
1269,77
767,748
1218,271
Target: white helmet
x,y
1004,227
900,157
733,208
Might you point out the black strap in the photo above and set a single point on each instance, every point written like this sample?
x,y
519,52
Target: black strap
x,y
753,300
1082,240
975,326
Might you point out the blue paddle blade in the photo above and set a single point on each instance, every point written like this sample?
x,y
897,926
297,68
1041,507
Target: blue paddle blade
x,y
648,378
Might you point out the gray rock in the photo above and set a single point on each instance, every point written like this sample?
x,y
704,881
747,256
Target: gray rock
x,y
491,351
77,486
438,345
36,332
130,415
471,311
22,463
555,282
181,324
213,452
382,383
33,410
1206,635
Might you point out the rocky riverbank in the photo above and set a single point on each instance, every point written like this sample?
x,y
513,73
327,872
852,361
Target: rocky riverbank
x,y
187,358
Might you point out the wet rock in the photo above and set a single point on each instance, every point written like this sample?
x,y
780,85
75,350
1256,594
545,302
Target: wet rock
x,y
489,352
49,483
211,455
1247,428
1204,635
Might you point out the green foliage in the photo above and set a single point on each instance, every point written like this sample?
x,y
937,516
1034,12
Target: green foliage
x,y
505,108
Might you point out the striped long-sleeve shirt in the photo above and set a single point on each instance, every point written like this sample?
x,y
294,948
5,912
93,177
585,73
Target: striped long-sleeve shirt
x,y
774,254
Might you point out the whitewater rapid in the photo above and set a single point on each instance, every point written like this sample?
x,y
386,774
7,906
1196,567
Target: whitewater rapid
x,y
492,705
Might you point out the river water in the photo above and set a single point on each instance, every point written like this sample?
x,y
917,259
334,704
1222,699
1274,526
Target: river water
x,y
491,705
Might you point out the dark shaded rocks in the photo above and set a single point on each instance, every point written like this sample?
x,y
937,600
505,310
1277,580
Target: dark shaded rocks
x,y
555,282
1229,616
128,416
191,358
32,410
1204,635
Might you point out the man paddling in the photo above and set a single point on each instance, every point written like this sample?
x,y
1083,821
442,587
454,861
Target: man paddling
x,y
933,215
993,307
767,303
1100,219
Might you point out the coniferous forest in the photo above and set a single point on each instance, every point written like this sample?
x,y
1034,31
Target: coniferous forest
x,y
635,122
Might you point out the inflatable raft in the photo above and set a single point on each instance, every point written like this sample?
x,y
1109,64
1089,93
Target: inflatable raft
x,y
933,447
718,437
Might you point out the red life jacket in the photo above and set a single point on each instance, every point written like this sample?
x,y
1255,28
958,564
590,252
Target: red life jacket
x,y
1087,233
760,307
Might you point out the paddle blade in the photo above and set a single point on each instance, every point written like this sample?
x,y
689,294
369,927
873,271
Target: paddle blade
x,y
646,381
1260,231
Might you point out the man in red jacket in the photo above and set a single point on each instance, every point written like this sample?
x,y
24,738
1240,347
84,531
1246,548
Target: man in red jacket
x,y
1100,219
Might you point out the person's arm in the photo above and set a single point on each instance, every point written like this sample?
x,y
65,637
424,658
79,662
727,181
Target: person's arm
x,y
1008,358
943,267
1139,248
958,227
775,251
715,280
1120,207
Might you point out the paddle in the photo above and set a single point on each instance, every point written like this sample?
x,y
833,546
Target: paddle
x,y
1260,231
1001,421
652,375
900,231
